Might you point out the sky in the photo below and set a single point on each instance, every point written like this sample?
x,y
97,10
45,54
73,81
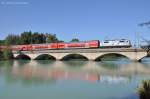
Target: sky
x,y
83,19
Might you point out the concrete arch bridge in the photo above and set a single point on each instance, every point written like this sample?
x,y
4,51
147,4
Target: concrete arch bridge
x,y
89,54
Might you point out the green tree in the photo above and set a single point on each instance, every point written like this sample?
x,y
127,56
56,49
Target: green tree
x,y
43,38
51,38
2,42
7,54
1,55
38,38
144,90
26,38
75,40
30,38
12,39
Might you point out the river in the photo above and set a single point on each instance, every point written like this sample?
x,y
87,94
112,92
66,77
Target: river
x,y
72,79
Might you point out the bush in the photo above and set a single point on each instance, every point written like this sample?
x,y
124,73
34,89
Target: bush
x,y
7,54
144,90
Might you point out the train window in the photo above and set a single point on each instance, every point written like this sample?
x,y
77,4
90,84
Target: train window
x,y
121,41
106,42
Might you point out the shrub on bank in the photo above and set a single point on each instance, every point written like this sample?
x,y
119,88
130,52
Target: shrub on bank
x,y
6,54
144,90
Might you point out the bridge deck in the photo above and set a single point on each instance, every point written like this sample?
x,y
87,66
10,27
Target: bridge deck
x,y
86,50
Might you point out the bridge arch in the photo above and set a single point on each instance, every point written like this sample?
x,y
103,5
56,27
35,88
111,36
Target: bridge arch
x,y
134,55
23,56
74,57
45,57
142,58
111,55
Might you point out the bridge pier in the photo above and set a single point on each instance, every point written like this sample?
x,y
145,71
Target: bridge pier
x,y
135,60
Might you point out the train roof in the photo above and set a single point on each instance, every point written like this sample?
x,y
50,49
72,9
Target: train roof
x,y
81,41
118,40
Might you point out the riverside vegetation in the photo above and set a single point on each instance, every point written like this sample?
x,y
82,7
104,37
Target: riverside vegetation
x,y
144,90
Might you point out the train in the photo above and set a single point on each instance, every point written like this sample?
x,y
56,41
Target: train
x,y
118,43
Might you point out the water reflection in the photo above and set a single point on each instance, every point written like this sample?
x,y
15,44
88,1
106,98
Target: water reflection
x,y
108,72
65,80
52,72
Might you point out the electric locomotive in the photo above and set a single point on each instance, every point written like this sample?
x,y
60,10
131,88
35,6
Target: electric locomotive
x,y
118,43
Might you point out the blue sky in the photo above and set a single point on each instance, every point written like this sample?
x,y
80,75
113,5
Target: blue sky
x,y
83,19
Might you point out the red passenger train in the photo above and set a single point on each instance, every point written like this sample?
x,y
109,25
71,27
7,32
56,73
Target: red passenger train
x,y
48,46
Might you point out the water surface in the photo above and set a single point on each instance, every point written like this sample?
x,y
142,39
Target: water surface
x,y
71,79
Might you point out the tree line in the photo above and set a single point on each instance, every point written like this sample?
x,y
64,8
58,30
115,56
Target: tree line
x,y
29,37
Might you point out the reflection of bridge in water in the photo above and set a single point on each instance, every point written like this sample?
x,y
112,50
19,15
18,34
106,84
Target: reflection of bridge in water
x,y
89,54
88,71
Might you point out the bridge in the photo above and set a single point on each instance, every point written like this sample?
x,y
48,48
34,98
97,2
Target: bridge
x,y
89,54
